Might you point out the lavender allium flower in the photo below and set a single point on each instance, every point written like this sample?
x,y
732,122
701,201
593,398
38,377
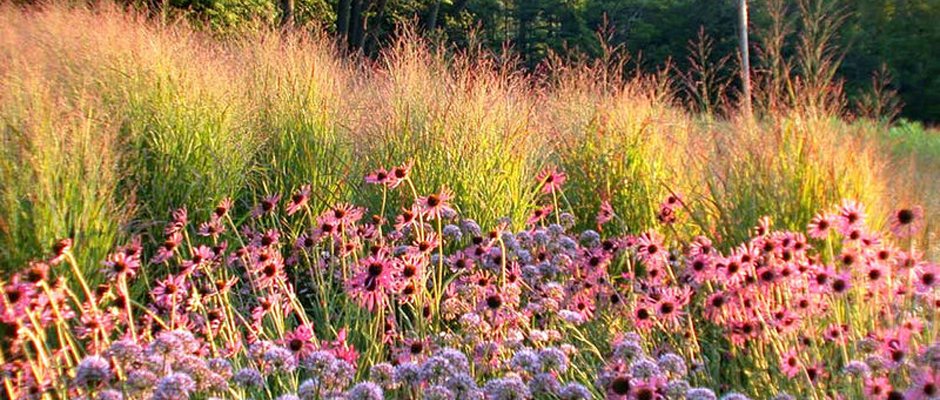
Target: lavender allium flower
x,y
438,392
700,394
541,237
628,350
567,243
463,386
436,369
571,317
931,356
857,369
508,388
457,359
175,386
341,374
140,380
288,397
365,391
574,391
644,368
93,371
590,238
544,384
677,389
471,227
453,232
734,396
673,363
110,394
196,367
877,362
165,344
309,390
125,351
383,374
783,396
318,363
526,360
408,374
567,219
248,378
280,359
553,359
222,367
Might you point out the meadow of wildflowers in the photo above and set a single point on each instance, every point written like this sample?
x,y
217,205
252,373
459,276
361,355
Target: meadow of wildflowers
x,y
289,302
191,217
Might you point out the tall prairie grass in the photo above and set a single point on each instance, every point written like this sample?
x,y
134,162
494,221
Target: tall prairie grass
x,y
109,119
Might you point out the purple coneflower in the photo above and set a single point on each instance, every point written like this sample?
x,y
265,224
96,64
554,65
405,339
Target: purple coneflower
x,y
298,200
907,222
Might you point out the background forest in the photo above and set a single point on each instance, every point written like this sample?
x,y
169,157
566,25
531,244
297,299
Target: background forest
x,y
896,38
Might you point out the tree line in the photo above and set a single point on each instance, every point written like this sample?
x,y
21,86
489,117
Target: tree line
x,y
868,38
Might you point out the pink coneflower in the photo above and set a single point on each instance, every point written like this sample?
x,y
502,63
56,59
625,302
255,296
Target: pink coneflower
x,y
373,281
298,200
119,265
790,363
399,174
820,226
582,303
700,268
732,271
606,213
907,222
342,350
268,268
345,214
94,324
717,307
669,308
643,317
168,249
201,255
836,333
850,217
650,250
212,228
652,388
877,388
170,290
435,206
876,274
59,249
840,284
407,218
926,277
551,180
926,386
266,206
300,341
222,209
412,267
426,244
378,177
178,220
538,215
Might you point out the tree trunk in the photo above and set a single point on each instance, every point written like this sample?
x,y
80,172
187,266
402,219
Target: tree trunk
x,y
745,58
358,23
287,13
342,19
372,32
432,16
